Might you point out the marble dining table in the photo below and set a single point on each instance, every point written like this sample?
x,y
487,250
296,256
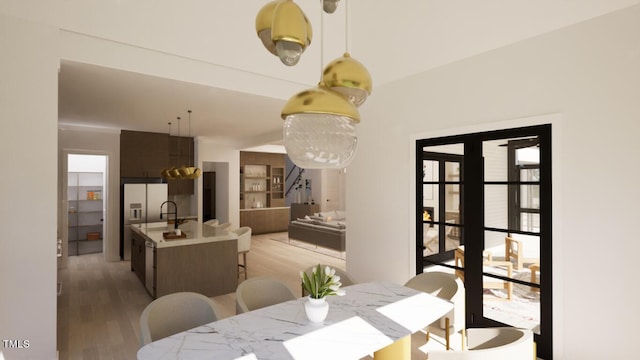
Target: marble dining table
x,y
371,316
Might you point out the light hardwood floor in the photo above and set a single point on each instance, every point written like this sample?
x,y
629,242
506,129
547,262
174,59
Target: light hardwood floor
x,y
101,302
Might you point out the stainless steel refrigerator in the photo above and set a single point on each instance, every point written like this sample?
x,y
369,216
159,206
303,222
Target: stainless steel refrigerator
x,y
140,204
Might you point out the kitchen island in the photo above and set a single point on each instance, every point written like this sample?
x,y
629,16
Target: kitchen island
x,y
199,262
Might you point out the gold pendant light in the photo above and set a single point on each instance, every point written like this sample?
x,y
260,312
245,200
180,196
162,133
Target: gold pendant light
x,y
175,173
346,75
170,172
320,127
284,30
189,172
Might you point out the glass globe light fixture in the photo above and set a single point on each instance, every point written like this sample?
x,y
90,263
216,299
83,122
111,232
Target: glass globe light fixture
x,y
329,6
349,77
320,129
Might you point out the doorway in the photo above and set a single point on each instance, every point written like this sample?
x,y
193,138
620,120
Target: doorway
x,y
208,195
505,233
215,191
86,204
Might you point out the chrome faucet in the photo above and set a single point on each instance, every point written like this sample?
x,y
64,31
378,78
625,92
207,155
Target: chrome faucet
x,y
175,212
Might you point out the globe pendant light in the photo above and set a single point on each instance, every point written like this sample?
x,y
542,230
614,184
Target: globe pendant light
x,y
320,129
346,75
320,126
284,30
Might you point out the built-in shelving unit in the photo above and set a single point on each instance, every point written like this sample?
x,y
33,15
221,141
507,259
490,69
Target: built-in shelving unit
x,y
254,186
85,192
277,183
261,186
262,197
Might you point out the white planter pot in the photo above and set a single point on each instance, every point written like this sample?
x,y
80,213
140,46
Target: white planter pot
x,y
316,309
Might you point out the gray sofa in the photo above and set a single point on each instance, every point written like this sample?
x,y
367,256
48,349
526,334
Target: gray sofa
x,y
326,229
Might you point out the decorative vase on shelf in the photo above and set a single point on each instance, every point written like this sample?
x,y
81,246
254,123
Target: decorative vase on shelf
x,y
316,309
298,197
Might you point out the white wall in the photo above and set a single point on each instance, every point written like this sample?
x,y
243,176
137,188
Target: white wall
x,y
227,179
28,189
589,73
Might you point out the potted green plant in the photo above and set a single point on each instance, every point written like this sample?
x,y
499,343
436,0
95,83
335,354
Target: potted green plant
x,y
321,283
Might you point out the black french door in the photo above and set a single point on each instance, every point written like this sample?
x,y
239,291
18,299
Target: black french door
x,y
490,198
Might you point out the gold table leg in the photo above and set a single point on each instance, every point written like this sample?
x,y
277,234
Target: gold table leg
x,y
399,350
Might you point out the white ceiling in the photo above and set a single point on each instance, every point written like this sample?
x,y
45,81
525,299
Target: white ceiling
x,y
107,98
393,39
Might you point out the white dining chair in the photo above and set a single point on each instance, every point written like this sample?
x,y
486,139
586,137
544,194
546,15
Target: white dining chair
x,y
259,292
448,287
173,313
500,343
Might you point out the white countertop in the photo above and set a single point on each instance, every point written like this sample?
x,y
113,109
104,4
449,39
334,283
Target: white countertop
x,y
193,230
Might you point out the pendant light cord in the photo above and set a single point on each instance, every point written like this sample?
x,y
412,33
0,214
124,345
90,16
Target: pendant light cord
x,y
179,142
189,145
346,25
321,40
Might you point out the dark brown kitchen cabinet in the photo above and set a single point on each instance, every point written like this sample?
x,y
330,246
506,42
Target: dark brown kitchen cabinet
x,y
181,152
138,262
143,154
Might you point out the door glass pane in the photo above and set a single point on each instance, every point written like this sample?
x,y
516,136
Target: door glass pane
x,y
452,204
495,154
515,303
430,191
431,243
528,155
530,222
441,201
496,213
530,196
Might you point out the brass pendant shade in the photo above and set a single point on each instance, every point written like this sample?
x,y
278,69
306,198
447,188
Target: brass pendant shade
x,y
189,172
263,25
320,100
349,77
284,30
